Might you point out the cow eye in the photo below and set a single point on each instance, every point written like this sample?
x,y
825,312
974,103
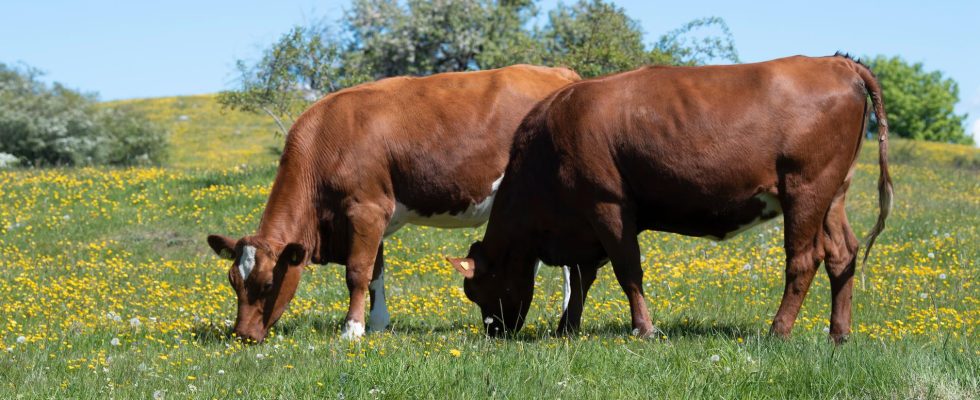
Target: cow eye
x,y
267,287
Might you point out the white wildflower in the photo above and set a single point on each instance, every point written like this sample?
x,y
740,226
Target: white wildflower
x,y
135,322
114,341
714,358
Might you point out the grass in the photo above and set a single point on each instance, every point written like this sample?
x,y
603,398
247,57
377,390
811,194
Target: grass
x,y
109,291
203,135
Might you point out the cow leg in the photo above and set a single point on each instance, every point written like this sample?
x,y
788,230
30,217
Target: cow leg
x,y
841,246
616,229
579,281
368,222
804,212
378,318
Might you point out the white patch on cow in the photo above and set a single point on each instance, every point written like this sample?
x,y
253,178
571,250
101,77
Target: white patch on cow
x,y
568,287
352,331
247,262
772,209
476,215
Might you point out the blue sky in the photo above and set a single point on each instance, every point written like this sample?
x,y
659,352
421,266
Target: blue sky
x,y
127,49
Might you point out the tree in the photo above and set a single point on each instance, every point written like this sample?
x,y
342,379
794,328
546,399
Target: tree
x,y
919,103
303,65
53,125
382,38
594,38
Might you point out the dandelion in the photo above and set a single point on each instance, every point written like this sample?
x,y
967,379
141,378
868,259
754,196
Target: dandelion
x,y
714,358
21,339
931,255
158,394
488,320
114,341
260,356
746,267
221,372
191,388
455,352
924,295
942,276
135,322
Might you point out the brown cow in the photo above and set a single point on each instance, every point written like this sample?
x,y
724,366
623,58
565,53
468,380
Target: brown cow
x,y
363,162
699,151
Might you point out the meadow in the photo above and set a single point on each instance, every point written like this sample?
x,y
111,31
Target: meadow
x,y
108,290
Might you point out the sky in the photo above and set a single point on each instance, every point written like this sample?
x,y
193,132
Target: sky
x,y
132,49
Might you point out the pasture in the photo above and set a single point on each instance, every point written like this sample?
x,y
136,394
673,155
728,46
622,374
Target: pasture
x,y
109,291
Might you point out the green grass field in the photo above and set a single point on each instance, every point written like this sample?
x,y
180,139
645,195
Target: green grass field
x,y
109,291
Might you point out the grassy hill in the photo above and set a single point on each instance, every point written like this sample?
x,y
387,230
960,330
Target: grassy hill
x,y
109,291
205,136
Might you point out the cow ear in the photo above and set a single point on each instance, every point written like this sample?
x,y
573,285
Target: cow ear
x,y
223,246
294,254
465,266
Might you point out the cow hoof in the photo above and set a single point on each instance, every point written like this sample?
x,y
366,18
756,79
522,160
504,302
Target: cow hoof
x,y
352,331
839,339
647,332
377,326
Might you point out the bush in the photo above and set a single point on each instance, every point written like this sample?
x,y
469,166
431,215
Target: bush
x,y
42,125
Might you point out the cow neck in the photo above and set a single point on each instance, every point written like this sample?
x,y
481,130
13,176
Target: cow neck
x,y
290,215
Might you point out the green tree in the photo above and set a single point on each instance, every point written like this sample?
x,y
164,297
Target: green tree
x,y
597,38
919,103
382,38
594,38
300,67
53,125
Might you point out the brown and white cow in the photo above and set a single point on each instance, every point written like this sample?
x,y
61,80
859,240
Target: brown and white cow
x,y
699,151
363,162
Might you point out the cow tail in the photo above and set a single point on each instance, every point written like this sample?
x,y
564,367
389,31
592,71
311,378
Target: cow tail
x,y
885,191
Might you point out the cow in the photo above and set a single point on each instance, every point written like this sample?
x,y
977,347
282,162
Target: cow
x,y
361,163
698,151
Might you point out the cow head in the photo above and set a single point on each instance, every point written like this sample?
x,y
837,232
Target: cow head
x,y
264,276
502,288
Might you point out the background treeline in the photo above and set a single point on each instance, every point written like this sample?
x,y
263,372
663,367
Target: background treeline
x,y
381,38
51,125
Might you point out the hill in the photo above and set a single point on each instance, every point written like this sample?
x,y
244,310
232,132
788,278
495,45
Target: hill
x,y
205,136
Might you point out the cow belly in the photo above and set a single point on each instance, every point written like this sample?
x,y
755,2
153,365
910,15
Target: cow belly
x,y
705,221
475,215
771,210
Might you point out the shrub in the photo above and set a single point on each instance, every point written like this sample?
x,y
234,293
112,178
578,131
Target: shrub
x,y
53,125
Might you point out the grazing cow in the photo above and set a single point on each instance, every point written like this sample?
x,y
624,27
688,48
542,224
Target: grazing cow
x,y
363,162
699,151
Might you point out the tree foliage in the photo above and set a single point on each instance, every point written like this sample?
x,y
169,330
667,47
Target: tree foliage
x,y
919,103
54,125
382,38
